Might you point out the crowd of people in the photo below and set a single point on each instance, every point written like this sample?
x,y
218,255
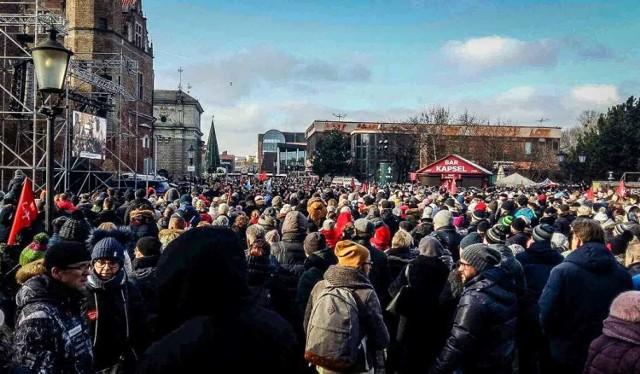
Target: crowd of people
x,y
249,275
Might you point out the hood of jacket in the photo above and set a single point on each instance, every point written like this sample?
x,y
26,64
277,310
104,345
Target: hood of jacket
x,y
346,276
593,257
488,280
542,253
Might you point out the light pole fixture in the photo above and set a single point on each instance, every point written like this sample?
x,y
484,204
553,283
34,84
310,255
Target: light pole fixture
x,y
610,178
561,157
191,154
50,62
582,158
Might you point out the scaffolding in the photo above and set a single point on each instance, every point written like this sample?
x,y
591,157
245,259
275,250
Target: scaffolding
x,y
88,89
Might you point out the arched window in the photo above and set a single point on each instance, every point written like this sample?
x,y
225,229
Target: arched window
x,y
271,139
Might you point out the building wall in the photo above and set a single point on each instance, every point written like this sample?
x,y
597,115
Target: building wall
x,y
174,136
102,29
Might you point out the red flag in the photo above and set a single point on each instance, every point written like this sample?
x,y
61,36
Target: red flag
x,y
364,188
26,212
263,176
622,190
453,188
353,184
590,193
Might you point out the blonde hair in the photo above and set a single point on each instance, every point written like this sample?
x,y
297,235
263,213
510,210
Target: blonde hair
x,y
402,239
107,226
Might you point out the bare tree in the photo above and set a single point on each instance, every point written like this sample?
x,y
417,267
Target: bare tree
x,y
431,125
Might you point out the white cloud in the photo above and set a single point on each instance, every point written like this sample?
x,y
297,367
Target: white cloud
x,y
594,94
490,52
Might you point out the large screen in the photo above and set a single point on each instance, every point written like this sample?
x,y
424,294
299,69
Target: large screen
x,y
89,136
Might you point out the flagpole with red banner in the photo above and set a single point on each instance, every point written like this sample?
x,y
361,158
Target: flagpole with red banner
x,y
26,212
622,189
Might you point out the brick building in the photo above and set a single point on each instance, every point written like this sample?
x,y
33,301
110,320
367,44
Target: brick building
x,y
529,149
110,76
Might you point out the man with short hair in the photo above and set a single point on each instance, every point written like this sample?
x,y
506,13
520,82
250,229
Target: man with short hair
x,y
577,296
50,335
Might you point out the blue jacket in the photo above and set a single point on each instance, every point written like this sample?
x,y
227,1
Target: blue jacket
x,y
576,300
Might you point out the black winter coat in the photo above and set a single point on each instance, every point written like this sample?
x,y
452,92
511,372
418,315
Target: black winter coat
x,y
290,257
450,239
617,350
398,259
517,238
484,331
116,318
421,332
50,336
314,267
537,262
576,300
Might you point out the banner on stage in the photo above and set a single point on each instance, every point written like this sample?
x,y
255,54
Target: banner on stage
x,y
89,136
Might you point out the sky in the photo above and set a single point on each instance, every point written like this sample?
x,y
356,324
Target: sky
x,y
256,65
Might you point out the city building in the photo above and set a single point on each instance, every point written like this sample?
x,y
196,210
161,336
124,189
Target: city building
x,y
407,147
228,161
282,152
177,133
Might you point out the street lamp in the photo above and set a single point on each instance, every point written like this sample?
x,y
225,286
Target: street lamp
x,y
50,62
191,153
610,178
561,157
582,158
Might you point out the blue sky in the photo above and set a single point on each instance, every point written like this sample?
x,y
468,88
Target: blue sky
x,y
292,62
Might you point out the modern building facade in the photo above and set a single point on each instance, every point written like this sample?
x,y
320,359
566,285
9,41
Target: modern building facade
x,y
281,152
411,146
177,131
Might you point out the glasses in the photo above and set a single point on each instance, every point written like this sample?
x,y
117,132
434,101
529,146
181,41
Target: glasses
x,y
106,263
368,263
81,267
460,263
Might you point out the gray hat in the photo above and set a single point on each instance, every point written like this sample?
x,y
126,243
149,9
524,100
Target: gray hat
x,y
481,256
442,218
430,247
542,233
469,239
363,225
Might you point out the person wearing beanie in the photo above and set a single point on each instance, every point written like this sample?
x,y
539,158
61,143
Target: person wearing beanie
x,y
537,260
319,258
518,236
35,250
618,348
290,256
496,235
259,266
49,313
76,228
351,273
381,238
379,277
146,253
114,310
576,298
422,332
331,233
447,233
138,201
488,291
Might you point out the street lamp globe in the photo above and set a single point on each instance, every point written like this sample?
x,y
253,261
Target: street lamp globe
x,y
50,62
561,157
582,158
191,152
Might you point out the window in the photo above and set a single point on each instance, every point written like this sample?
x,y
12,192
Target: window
x,y
102,23
140,86
527,148
139,38
145,141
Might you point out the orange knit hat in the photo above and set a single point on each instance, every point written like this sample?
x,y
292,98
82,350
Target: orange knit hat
x,y
351,254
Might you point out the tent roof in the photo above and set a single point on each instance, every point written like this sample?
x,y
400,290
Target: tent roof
x,y
514,180
547,182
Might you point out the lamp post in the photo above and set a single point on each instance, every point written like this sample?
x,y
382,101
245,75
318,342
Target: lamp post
x,y
50,62
191,153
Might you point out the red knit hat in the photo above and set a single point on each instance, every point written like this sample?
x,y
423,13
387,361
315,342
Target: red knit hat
x,y
382,238
481,205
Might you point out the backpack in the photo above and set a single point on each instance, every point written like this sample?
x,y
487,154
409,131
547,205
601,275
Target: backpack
x,y
334,339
